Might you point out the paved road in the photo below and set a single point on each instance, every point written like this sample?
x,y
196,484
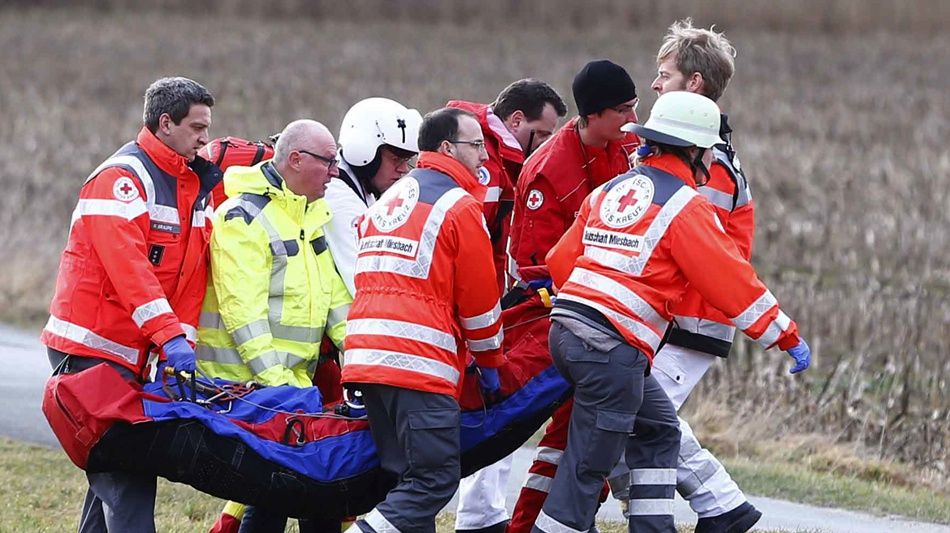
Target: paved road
x,y
777,514
25,369
23,372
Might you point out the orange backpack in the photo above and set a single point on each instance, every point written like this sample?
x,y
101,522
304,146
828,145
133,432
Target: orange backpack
x,y
234,151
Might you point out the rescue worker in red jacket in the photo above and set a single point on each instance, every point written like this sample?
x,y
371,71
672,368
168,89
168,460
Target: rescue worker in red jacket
x,y
425,292
636,244
587,152
132,276
701,61
524,115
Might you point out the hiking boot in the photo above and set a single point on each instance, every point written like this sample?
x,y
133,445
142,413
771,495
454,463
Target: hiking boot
x,y
738,520
495,528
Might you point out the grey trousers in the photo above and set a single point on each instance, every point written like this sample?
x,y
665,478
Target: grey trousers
x,y
615,407
115,501
417,438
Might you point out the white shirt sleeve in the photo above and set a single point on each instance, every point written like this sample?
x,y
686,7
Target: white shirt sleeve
x,y
342,239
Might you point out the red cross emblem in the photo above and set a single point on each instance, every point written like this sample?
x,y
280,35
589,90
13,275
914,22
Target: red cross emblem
x,y
628,200
123,189
627,203
396,206
535,199
393,204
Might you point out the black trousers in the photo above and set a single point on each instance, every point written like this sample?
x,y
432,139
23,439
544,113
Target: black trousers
x,y
115,501
616,408
417,437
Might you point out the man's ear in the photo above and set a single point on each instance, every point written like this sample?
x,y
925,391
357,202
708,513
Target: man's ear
x,y
515,119
294,161
445,148
165,123
695,83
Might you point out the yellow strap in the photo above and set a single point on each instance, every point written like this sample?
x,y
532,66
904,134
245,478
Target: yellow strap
x,y
545,297
235,509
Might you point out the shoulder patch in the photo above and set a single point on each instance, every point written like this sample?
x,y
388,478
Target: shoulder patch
x,y
124,189
484,176
394,207
627,202
535,199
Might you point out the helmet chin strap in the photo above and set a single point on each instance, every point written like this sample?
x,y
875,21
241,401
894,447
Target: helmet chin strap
x,y
527,149
698,163
366,173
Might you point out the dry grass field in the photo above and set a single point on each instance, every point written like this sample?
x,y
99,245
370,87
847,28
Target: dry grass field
x,y
841,123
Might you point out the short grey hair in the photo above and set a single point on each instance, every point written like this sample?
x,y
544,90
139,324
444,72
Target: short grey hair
x,y
296,135
174,96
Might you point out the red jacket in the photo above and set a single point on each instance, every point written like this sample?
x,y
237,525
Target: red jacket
x,y
699,325
505,158
134,269
425,284
553,184
636,244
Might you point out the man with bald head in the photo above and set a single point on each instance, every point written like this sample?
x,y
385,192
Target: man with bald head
x,y
274,291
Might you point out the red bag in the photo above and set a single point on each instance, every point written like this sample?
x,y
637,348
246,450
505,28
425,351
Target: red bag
x,y
81,407
234,151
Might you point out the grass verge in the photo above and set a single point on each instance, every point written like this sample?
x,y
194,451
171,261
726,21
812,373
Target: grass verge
x,y
41,491
792,482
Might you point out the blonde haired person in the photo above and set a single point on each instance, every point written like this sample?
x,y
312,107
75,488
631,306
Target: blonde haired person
x,y
702,61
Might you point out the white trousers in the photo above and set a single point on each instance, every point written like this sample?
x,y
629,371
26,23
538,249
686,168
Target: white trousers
x,y
700,477
482,496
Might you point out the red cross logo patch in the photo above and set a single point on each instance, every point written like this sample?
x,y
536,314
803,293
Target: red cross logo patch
x,y
124,189
535,199
627,202
392,204
394,207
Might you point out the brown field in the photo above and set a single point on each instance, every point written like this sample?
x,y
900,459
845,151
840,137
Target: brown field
x,y
841,121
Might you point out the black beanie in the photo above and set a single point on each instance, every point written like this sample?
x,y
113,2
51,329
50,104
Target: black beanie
x,y
602,84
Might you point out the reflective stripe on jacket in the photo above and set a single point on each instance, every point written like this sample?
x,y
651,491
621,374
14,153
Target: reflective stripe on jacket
x,y
636,244
133,272
425,283
273,290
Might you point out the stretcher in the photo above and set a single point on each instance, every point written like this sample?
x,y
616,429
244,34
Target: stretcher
x,y
277,447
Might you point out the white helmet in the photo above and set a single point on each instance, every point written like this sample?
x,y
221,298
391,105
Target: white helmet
x,y
681,118
373,122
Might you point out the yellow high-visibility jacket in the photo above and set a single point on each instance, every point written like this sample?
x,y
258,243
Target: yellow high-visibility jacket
x,y
273,290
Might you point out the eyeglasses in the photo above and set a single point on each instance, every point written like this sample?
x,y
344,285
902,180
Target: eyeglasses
x,y
626,108
398,161
330,161
478,145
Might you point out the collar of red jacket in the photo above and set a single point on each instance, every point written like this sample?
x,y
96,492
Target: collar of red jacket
x,y
671,164
455,170
494,129
162,155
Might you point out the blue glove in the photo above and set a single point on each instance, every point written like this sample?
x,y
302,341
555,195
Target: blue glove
x,y
180,355
543,283
802,356
488,379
